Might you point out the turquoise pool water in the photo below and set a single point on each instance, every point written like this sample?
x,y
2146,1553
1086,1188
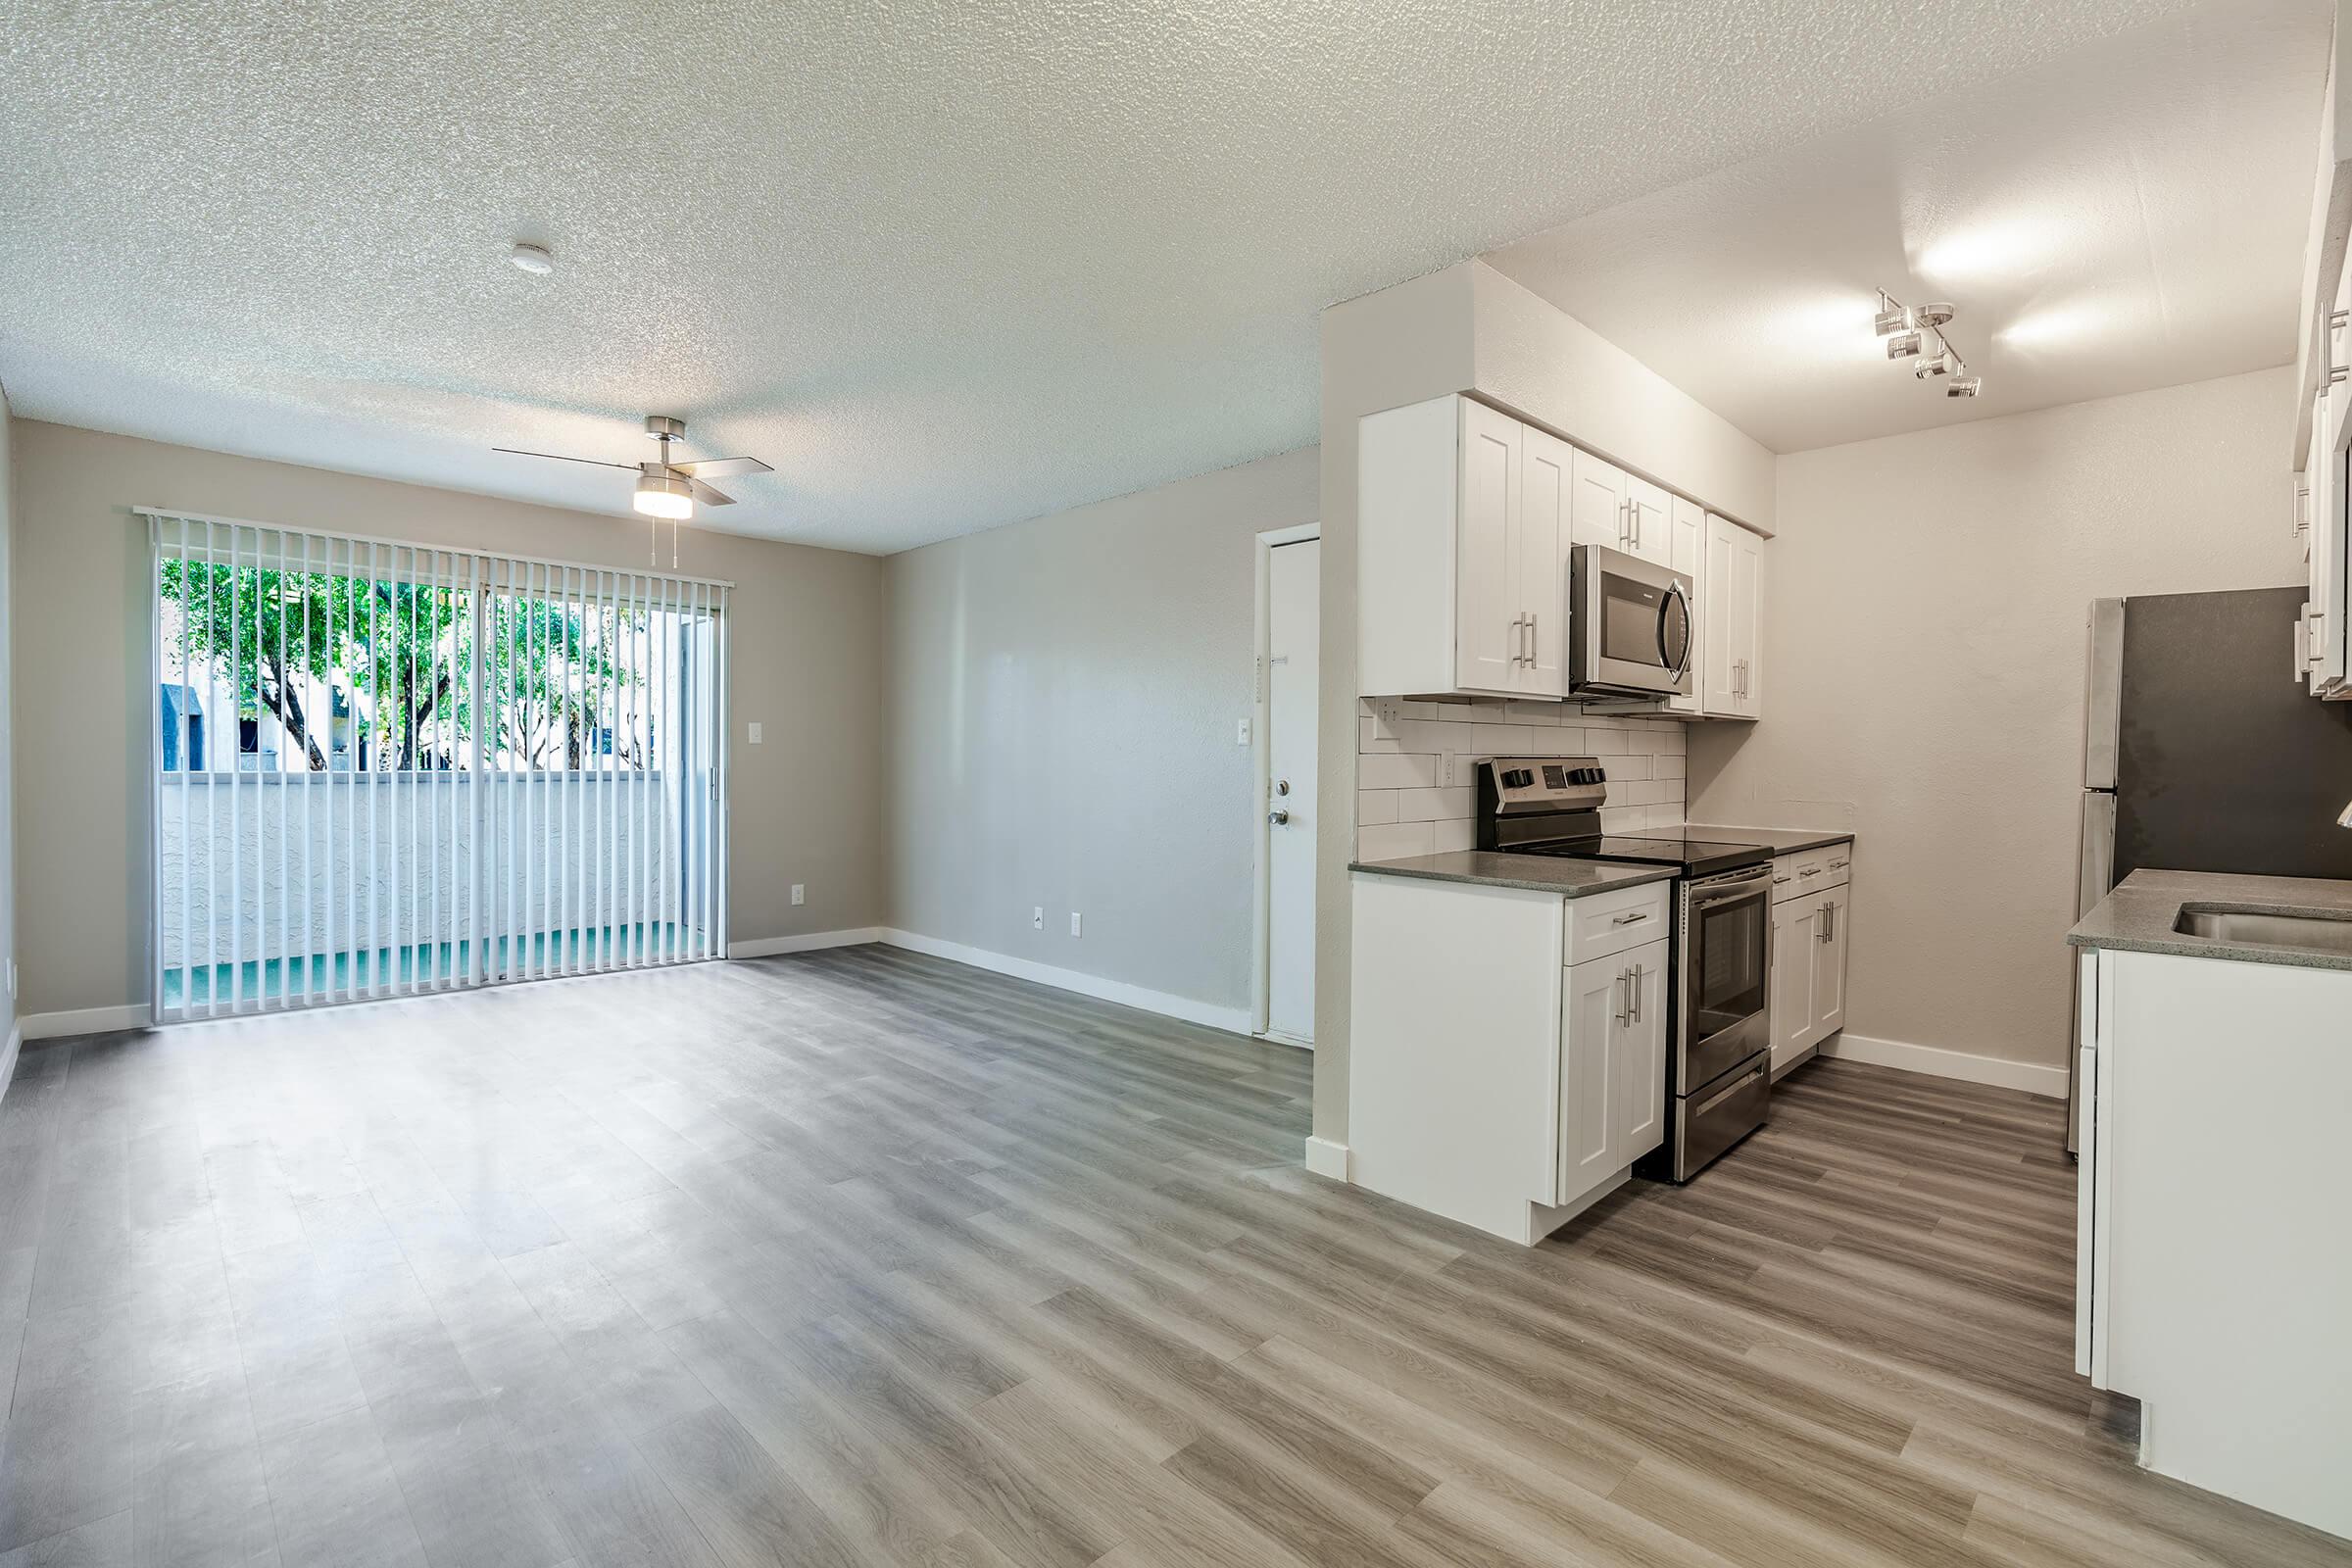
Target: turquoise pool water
x,y
341,975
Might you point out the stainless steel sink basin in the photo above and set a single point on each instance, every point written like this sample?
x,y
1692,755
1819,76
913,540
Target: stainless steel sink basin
x,y
2306,933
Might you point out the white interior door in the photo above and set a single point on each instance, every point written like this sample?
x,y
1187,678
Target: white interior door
x,y
1292,585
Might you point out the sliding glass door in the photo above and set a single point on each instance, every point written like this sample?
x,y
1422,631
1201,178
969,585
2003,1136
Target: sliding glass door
x,y
383,768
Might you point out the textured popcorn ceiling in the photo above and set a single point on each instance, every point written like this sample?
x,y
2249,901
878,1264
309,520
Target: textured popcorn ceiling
x,y
2129,217
944,266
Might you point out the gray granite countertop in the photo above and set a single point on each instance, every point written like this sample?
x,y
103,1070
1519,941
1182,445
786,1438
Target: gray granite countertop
x,y
1779,840
2140,915
1538,873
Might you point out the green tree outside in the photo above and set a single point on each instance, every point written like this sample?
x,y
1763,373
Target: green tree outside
x,y
551,687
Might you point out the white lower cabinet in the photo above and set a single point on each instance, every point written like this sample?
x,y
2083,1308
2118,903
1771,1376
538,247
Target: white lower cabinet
x,y
1613,1066
1809,948
1490,1081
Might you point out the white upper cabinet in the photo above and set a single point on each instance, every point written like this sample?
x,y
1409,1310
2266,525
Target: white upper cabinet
x,y
1600,511
1467,518
1461,559
1731,597
1488,620
1547,477
1650,508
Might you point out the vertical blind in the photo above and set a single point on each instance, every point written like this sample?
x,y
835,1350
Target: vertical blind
x,y
385,768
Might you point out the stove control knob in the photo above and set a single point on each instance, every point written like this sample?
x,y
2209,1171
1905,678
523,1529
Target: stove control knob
x,y
1590,775
1517,778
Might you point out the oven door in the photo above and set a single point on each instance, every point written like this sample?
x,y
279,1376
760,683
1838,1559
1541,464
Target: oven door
x,y
1630,624
1726,1016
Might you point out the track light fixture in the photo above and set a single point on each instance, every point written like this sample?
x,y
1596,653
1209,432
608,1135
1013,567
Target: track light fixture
x,y
1915,333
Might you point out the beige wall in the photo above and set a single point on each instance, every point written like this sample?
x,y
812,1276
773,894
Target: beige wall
x,y
7,817
806,658
1923,674
1062,707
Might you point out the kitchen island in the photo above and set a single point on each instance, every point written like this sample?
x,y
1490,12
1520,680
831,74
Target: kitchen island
x,y
2214,1229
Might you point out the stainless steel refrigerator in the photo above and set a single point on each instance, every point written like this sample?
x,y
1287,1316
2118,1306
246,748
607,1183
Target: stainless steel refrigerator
x,y
2203,752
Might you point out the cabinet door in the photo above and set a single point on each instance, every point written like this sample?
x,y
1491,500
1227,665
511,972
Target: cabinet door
x,y
1597,514
1744,625
2323,471
1828,966
1595,1004
1796,923
1487,624
1690,558
1652,521
1719,666
1540,561
1641,1067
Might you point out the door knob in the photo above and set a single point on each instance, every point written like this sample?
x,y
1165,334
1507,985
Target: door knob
x,y
1278,817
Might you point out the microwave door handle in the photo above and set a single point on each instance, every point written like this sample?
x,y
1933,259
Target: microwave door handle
x,y
1675,596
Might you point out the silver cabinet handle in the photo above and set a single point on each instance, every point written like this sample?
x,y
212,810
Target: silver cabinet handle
x,y
1810,871
1516,622
1782,881
1633,993
1278,817
1838,865
1620,1013
1532,640
1828,921
2335,373
1635,917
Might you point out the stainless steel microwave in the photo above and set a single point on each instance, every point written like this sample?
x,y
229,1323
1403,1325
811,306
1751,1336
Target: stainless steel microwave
x,y
1629,626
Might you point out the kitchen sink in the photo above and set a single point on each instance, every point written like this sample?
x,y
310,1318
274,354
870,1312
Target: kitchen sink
x,y
2307,933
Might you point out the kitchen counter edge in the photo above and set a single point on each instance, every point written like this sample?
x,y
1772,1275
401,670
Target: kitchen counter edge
x,y
1535,873
2138,916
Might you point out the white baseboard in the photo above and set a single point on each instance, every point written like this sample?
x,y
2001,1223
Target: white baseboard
x,y
1275,1036
84,1021
1937,1062
1327,1158
1235,1019
810,942
8,1059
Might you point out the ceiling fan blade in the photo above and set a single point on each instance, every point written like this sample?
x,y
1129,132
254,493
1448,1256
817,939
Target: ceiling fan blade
x,y
709,495
721,468
561,457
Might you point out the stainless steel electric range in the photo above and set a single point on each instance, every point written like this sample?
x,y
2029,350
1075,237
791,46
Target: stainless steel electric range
x,y
1719,1073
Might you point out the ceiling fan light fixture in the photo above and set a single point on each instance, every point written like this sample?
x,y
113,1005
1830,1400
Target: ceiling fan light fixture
x,y
660,495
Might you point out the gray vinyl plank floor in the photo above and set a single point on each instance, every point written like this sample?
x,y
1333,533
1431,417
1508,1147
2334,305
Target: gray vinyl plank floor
x,y
864,1258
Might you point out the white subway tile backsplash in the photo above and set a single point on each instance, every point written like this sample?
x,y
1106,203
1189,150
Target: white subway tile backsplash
x,y
1394,841
1415,774
1433,806
1398,771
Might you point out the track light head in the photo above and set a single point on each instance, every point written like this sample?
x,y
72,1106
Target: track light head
x,y
1962,386
1892,318
1902,345
1932,365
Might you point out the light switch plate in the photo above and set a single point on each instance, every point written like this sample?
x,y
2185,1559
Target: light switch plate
x,y
1037,919
1074,918
800,893
1241,732
755,732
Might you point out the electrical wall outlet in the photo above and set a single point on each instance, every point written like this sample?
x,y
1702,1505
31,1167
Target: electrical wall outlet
x,y
755,732
800,893
1037,919
1386,713
1075,919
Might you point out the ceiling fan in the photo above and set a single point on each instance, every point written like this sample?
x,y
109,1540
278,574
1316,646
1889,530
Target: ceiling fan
x,y
666,489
